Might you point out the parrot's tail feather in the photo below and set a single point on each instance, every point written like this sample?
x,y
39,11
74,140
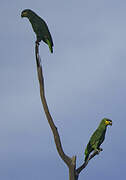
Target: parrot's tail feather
x,y
86,154
50,46
86,157
51,49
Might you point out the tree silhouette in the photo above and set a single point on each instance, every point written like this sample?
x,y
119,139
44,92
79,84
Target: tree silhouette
x,y
69,161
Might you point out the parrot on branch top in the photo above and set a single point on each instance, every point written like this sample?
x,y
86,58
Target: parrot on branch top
x,y
40,27
97,138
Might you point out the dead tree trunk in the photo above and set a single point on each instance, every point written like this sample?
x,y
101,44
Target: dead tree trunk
x,y
69,161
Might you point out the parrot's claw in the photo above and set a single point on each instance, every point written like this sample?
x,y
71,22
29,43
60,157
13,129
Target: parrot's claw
x,y
37,42
100,149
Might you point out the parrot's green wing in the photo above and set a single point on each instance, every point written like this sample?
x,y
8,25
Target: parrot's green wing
x,y
50,46
97,138
93,142
42,32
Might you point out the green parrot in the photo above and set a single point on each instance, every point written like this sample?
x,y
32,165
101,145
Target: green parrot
x,y
40,27
97,138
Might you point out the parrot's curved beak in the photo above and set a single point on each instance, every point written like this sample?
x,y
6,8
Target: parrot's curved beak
x,y
110,123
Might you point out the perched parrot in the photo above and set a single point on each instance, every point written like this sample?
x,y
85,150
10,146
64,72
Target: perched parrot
x,y
97,138
40,27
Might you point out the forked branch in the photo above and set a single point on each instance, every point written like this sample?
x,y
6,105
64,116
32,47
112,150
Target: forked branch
x,y
70,162
78,170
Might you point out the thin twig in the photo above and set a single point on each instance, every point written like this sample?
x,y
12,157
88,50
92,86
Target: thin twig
x,y
57,140
83,166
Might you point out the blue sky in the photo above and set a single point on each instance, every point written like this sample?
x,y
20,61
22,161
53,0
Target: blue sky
x,y
85,81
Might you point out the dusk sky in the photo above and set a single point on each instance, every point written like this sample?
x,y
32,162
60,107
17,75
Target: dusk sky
x,y
85,81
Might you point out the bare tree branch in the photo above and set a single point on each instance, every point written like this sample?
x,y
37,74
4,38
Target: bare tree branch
x,y
70,162
54,129
83,166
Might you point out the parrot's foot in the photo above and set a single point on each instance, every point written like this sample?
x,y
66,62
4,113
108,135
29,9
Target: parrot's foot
x,y
100,149
37,42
